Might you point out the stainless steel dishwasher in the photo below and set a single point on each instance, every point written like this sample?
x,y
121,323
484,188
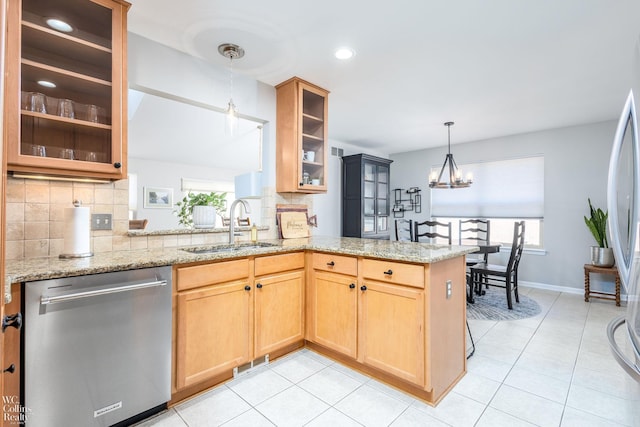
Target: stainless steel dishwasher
x,y
97,348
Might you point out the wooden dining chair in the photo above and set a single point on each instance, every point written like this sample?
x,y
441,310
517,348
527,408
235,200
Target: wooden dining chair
x,y
472,231
504,276
404,230
432,230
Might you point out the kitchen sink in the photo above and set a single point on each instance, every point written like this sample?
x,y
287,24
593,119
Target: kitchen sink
x,y
227,248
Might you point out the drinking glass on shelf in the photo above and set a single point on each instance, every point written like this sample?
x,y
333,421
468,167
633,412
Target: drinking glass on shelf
x,y
92,113
67,153
38,150
91,156
36,102
65,108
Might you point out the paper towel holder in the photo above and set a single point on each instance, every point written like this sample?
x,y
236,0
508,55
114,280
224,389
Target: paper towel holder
x,y
77,204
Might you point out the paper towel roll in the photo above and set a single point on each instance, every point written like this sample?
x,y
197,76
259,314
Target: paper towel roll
x,y
77,235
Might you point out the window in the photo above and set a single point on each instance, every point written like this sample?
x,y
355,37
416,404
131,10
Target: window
x,y
503,191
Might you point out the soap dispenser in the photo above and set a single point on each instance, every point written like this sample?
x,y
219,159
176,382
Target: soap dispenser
x,y
254,233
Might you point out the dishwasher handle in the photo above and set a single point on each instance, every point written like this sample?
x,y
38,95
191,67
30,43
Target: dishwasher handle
x,y
44,299
629,367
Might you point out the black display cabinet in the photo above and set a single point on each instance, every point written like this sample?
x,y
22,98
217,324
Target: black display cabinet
x,y
365,196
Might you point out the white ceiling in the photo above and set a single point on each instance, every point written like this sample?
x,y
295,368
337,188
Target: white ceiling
x,y
495,67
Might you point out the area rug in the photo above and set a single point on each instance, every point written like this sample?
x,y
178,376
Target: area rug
x,y
493,306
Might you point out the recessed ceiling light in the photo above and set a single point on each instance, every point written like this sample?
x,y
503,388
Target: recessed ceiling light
x,y
46,83
344,53
58,24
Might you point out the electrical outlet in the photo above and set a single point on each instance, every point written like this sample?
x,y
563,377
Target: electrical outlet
x,y
448,283
101,222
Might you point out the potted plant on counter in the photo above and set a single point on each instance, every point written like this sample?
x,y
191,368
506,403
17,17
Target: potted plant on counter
x,y
199,209
601,255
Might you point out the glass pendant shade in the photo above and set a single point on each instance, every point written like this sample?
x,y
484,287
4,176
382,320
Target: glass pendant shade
x,y
231,121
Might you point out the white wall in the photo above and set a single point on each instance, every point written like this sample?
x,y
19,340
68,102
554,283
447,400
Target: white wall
x,y
576,166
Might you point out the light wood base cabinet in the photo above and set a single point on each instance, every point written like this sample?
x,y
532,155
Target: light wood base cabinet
x,y
396,322
392,329
400,322
279,311
229,313
335,302
213,333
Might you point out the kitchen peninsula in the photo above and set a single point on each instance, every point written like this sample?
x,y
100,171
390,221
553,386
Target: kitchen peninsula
x,y
394,310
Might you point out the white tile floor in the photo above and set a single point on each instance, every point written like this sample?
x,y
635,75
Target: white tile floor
x,y
552,370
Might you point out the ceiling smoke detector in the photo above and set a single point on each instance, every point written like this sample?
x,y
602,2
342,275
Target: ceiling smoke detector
x,y
231,51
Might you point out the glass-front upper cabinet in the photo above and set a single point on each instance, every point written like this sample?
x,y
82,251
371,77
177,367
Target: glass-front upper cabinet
x,y
66,88
301,137
365,196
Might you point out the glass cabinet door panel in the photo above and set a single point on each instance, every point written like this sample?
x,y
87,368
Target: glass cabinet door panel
x,y
369,172
369,207
368,224
369,189
383,223
382,190
383,174
382,207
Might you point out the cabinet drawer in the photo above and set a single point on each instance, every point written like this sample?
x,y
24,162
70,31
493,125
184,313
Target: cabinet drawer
x,y
394,272
209,274
278,263
336,263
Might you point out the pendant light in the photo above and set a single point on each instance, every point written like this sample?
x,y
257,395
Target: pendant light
x,y
455,175
231,51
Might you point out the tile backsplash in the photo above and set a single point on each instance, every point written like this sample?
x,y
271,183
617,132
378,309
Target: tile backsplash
x,y
35,217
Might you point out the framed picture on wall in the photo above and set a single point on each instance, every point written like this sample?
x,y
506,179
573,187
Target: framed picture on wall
x,y
158,198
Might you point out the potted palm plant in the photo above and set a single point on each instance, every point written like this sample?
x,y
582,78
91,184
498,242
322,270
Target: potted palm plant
x,y
198,210
601,255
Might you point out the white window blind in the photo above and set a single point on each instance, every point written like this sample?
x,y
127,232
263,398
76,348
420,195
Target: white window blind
x,y
501,189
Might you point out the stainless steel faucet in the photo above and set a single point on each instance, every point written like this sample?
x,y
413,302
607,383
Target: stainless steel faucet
x,y
232,209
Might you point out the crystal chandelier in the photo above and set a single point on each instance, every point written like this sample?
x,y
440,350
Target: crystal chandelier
x,y
455,175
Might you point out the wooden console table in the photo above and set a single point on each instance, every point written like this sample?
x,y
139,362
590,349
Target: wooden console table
x,y
589,268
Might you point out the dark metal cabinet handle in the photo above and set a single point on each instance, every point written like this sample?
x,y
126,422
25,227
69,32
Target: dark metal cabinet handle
x,y
247,288
363,288
388,272
11,369
352,286
301,184
117,165
13,320
331,264
259,286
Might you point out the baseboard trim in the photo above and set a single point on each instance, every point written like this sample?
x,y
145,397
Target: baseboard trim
x,y
556,288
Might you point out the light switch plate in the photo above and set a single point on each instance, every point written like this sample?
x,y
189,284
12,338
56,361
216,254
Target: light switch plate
x,y
101,222
448,283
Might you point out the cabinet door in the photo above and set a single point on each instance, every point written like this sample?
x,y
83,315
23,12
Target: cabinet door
x,y
301,137
392,330
279,311
66,100
213,331
382,199
335,303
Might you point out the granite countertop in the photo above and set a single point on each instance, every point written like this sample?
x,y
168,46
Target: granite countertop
x,y
51,268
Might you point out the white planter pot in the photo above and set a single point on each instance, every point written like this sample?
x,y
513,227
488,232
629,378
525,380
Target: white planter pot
x,y
204,217
602,257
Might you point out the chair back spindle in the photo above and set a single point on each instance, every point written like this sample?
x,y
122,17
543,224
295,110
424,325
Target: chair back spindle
x,y
431,230
472,231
